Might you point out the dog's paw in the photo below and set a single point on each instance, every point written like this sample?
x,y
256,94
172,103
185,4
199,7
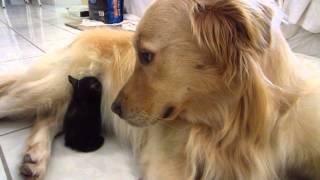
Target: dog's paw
x,y
32,170
34,163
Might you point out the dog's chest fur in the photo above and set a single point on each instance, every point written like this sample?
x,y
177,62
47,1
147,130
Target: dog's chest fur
x,y
165,149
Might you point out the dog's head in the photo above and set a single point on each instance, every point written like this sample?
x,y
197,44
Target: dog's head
x,y
193,55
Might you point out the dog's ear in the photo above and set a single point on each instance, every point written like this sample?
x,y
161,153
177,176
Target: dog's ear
x,y
236,33
227,27
73,81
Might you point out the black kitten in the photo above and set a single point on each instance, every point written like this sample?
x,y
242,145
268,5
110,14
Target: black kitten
x,y
82,121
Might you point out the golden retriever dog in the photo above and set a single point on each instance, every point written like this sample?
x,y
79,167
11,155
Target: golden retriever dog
x,y
209,89
43,92
221,95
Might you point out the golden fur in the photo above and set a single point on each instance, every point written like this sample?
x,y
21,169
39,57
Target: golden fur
x,y
243,105
43,91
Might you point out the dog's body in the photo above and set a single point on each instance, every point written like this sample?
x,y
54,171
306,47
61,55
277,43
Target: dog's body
x,y
226,97
217,83
82,121
44,93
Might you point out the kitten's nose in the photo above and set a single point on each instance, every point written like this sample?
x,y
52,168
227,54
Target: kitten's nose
x,y
116,107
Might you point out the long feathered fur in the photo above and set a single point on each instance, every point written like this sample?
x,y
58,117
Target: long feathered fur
x,y
271,85
103,53
245,97
263,124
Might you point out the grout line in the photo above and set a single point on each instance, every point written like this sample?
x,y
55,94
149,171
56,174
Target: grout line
x,y
56,25
1,22
31,58
14,131
53,24
5,165
24,37
44,21
32,43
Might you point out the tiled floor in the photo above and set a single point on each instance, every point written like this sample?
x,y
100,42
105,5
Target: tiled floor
x,y
27,32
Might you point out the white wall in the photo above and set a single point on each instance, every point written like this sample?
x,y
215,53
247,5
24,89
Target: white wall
x,y
62,2
137,7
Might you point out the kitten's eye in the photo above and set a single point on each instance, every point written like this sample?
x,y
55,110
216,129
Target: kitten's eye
x,y
145,57
95,86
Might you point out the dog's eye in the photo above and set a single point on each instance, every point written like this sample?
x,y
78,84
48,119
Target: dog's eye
x,y
145,57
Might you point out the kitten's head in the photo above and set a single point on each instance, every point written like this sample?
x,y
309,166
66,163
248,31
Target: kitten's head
x,y
87,89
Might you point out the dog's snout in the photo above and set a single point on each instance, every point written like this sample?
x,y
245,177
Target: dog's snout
x,y
116,107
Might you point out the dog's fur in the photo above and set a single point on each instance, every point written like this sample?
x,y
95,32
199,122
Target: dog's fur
x,y
82,121
44,93
221,96
240,105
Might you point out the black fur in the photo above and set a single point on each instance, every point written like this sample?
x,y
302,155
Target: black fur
x,y
82,122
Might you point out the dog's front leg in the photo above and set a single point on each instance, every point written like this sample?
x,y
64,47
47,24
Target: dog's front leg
x,y
6,81
38,149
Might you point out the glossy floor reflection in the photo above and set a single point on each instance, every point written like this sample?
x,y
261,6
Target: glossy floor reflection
x,y
27,32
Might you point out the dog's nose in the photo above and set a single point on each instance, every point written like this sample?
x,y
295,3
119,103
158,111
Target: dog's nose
x,y
116,107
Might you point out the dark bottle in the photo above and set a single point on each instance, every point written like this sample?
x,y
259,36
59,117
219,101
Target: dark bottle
x,y
107,11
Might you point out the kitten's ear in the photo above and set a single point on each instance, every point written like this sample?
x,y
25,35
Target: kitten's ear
x,y
73,81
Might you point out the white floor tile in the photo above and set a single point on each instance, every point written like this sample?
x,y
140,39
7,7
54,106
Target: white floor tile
x,y
18,49
52,46
23,22
44,33
7,33
112,161
9,126
10,38
2,24
15,14
17,65
3,174
60,23
13,146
